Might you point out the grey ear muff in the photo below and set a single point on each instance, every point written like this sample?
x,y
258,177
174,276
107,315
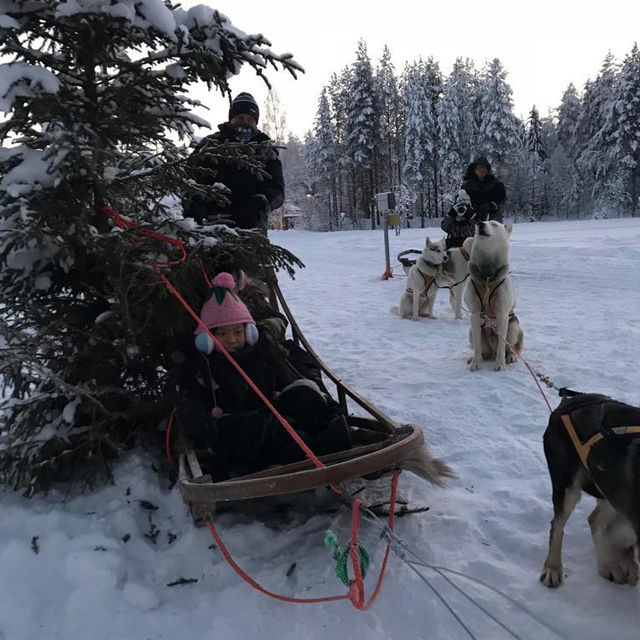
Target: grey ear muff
x,y
204,343
251,333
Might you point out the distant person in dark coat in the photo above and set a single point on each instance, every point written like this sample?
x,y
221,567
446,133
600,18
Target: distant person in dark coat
x,y
487,193
251,197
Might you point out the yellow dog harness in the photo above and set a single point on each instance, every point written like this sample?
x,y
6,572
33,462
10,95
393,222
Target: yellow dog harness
x,y
584,449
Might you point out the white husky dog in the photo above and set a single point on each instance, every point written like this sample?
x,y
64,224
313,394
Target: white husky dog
x,y
490,298
455,272
420,294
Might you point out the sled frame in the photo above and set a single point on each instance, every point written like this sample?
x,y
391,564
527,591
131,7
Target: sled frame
x,y
381,444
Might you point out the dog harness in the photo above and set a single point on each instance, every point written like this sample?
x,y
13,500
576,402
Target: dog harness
x,y
428,280
485,300
583,449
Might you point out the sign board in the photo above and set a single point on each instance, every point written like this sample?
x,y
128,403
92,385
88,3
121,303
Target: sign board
x,y
386,201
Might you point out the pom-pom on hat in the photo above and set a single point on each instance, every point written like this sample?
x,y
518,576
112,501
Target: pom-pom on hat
x,y
224,307
462,197
245,103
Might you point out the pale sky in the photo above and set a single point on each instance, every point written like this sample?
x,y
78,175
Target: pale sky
x,y
543,45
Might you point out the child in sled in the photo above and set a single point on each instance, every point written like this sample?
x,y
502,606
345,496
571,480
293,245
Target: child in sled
x,y
220,412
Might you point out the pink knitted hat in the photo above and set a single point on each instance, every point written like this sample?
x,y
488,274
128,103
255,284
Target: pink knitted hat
x,y
223,307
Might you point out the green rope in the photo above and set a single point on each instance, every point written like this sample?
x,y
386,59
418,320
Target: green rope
x,y
341,558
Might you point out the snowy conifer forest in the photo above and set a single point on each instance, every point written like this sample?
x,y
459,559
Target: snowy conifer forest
x,y
414,132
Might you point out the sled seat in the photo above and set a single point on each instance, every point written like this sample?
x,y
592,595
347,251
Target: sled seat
x,y
373,452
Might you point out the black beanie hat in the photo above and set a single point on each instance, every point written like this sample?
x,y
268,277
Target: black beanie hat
x,y
244,103
481,161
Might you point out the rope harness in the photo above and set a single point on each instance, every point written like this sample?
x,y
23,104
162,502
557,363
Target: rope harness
x,y
428,280
486,312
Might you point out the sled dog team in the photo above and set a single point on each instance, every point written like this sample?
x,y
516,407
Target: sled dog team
x,y
592,442
477,273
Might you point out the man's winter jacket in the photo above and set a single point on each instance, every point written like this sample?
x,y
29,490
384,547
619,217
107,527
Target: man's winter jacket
x,y
486,195
252,198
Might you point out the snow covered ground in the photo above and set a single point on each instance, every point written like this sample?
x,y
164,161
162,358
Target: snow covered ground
x,y
97,567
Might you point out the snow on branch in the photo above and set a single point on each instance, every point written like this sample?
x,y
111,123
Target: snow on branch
x,y
20,79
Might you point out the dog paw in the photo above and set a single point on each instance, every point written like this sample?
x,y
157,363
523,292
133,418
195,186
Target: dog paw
x,y
499,366
473,365
416,318
551,577
510,359
621,570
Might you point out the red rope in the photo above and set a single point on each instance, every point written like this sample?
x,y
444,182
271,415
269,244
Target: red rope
x,y
356,593
247,578
126,224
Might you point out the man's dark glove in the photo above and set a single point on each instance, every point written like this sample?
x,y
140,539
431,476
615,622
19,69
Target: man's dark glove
x,y
484,209
493,207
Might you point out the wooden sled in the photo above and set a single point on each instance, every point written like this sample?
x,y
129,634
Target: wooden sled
x,y
379,444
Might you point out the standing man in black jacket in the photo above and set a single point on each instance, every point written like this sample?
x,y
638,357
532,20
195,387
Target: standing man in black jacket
x,y
487,193
251,197
478,199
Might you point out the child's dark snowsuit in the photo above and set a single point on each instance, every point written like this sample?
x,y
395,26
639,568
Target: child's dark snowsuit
x,y
248,437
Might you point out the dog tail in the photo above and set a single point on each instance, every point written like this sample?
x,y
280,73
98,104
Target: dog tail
x,y
395,311
423,464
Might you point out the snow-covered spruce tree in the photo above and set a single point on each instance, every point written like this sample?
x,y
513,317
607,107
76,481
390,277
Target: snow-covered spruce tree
x,y
536,156
592,143
432,81
455,124
566,191
498,132
389,107
568,116
94,93
418,141
274,121
360,128
622,129
321,160
338,89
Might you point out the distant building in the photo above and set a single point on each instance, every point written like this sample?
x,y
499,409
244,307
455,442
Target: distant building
x,y
286,217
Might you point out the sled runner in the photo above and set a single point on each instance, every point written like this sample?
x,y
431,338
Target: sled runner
x,y
378,444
